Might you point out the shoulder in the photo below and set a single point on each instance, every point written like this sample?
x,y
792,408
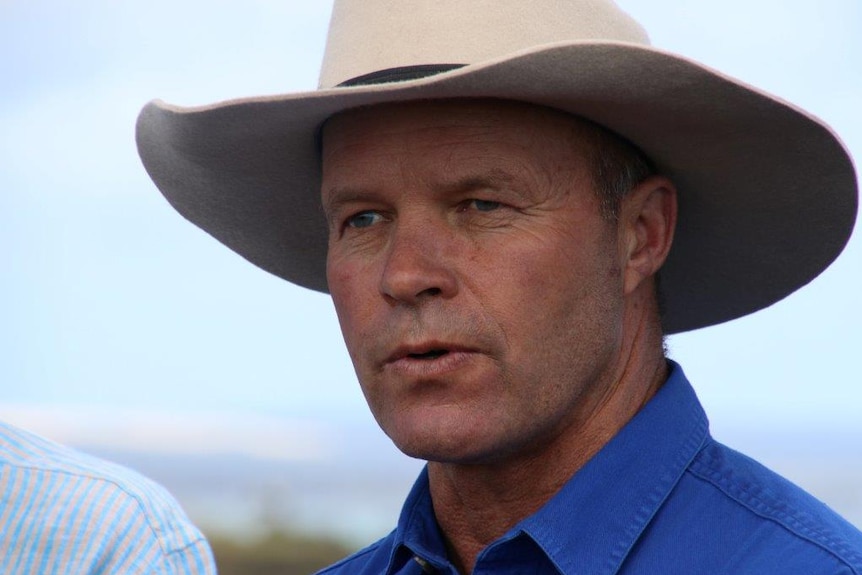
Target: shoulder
x,y
765,517
62,508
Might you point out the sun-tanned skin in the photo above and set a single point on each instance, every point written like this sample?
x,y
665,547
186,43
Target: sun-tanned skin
x,y
501,328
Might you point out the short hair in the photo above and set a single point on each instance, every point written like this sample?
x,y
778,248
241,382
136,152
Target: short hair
x,y
617,166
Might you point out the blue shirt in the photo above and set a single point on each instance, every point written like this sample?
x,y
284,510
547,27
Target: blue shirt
x,y
662,497
66,513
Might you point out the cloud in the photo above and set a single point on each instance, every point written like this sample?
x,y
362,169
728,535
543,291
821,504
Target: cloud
x,y
176,433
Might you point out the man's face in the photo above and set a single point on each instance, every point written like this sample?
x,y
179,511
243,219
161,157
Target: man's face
x,y
477,285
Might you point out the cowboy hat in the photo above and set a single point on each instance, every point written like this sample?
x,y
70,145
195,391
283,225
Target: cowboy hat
x,y
767,193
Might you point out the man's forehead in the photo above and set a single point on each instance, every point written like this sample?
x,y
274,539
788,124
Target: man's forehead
x,y
460,134
452,148
457,133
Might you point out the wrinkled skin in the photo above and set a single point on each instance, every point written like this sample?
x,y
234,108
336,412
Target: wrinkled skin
x,y
472,229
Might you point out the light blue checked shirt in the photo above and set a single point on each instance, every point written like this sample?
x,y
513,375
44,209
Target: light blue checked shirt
x,y
64,512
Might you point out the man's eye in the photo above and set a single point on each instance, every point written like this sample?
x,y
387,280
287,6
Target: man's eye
x,y
485,205
363,219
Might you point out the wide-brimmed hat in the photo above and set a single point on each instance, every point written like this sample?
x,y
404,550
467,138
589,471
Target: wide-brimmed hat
x,y
767,193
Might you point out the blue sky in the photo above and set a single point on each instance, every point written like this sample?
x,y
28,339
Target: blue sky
x,y
109,298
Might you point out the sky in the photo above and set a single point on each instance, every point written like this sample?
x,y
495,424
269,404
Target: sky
x,y
111,303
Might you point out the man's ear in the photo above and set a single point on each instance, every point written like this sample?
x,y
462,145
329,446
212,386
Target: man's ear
x,y
647,222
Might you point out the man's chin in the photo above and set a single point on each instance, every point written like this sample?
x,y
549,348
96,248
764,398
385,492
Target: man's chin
x,y
461,433
450,448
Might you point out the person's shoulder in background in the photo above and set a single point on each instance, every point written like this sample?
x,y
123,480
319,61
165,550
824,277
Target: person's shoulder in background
x,y
63,511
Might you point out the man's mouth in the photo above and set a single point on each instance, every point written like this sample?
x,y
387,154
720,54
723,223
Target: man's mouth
x,y
431,354
428,351
429,359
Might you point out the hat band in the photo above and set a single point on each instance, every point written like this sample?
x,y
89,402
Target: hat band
x,y
399,74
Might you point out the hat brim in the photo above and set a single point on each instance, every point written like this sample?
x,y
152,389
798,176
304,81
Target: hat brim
x,y
767,193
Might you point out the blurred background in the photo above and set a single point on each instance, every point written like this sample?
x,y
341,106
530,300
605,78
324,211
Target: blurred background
x,y
131,334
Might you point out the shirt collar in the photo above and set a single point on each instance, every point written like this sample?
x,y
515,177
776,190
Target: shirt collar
x,y
590,525
593,522
417,534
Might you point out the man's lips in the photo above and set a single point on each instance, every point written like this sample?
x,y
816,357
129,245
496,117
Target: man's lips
x,y
426,351
429,358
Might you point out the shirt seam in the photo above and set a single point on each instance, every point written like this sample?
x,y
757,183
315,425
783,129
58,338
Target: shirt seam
x,y
166,549
163,561
695,442
762,507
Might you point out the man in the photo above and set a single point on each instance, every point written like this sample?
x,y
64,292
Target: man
x,y
514,202
62,511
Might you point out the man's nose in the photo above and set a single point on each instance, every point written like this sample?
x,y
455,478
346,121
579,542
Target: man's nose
x,y
418,264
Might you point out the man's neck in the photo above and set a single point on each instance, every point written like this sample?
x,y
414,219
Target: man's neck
x,y
475,504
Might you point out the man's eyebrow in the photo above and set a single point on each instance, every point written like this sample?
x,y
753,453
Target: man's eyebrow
x,y
495,178
335,197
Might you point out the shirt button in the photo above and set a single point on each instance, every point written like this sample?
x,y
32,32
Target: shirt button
x,y
426,567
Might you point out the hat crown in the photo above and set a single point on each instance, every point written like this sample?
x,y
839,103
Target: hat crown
x,y
367,36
